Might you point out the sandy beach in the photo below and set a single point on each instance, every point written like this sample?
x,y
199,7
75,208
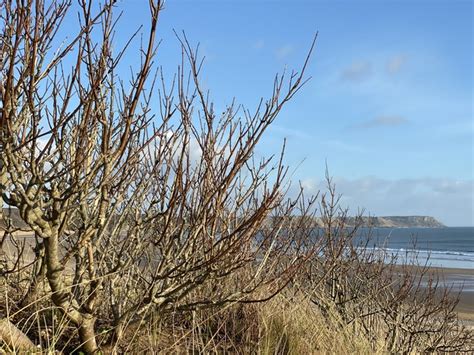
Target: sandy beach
x,y
461,280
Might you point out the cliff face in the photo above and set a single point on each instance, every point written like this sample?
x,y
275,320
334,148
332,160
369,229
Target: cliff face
x,y
403,222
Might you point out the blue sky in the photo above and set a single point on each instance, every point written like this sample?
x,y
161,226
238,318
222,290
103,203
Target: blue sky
x,y
389,106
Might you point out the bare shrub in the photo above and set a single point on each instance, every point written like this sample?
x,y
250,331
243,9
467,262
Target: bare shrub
x,y
149,208
388,299
127,222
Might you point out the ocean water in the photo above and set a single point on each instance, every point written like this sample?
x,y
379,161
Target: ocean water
x,y
450,247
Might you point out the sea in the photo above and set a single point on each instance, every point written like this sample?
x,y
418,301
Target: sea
x,y
450,248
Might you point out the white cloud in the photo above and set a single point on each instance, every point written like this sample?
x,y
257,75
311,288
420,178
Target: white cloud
x,y
449,200
357,71
195,151
284,51
310,186
289,132
361,70
395,64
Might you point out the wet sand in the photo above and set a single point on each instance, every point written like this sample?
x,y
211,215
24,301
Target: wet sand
x,y
460,280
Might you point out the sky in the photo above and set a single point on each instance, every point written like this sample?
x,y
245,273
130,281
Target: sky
x,y
389,107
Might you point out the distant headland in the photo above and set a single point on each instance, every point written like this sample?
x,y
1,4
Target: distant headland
x,y
401,222
386,222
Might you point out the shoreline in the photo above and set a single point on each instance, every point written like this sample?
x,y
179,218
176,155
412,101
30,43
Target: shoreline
x,y
465,307
461,280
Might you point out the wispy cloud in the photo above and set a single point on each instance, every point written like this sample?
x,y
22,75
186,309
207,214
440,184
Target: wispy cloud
x,y
382,121
284,51
357,71
363,69
289,132
258,44
447,199
310,186
395,64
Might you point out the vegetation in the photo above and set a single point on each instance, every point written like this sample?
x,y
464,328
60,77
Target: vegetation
x,y
140,245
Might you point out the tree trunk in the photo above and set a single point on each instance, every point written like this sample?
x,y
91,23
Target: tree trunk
x,y
14,338
87,335
62,298
38,278
3,182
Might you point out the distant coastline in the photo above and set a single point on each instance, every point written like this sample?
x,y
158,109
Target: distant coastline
x,y
387,222
374,222
400,222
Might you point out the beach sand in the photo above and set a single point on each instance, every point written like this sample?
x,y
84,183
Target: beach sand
x,y
462,280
